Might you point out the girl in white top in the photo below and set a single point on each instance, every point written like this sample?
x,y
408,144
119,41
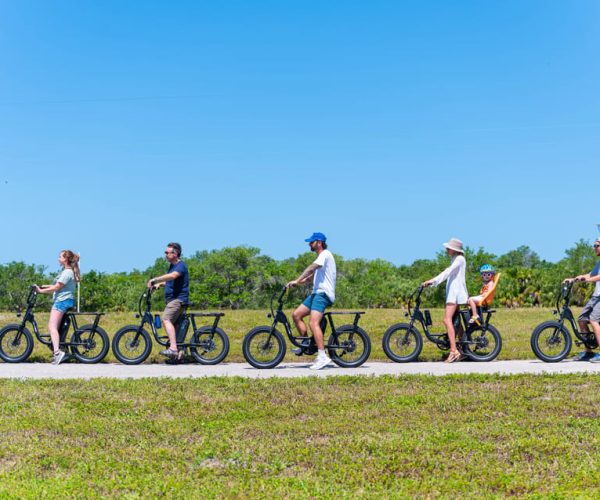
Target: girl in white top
x,y
456,291
64,297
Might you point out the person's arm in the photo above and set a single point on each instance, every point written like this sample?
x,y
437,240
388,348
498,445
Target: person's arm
x,y
591,279
306,275
160,280
49,288
581,277
443,276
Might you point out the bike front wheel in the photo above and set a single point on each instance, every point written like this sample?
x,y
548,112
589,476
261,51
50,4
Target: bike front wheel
x,y
263,347
131,345
89,344
551,342
16,344
349,346
402,343
483,344
209,347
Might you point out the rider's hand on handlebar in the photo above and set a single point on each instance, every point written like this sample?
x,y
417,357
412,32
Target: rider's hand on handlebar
x,y
427,283
292,284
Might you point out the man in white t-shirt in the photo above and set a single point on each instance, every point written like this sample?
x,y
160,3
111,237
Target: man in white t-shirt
x,y
323,272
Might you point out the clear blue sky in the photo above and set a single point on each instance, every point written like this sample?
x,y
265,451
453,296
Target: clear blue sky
x,y
389,125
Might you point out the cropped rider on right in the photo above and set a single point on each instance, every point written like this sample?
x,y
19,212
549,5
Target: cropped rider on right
x,y
590,316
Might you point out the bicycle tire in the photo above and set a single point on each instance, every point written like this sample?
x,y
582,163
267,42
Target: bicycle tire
x,y
341,356
401,337
13,349
207,349
129,347
554,348
260,341
95,346
480,350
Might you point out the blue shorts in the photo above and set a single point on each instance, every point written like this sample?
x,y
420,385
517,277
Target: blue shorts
x,y
317,302
63,305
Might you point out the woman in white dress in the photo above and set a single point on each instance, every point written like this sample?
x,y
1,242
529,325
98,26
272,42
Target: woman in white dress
x,y
456,291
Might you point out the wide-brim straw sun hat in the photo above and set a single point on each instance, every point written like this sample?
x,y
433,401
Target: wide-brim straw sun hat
x,y
455,244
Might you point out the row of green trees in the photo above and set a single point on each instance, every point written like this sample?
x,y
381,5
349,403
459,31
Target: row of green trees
x,y
241,277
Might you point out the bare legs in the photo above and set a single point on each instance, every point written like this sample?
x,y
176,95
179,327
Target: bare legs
x,y
314,321
170,329
585,327
448,323
53,325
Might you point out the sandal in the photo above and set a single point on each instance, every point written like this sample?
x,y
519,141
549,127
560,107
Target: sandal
x,y
454,356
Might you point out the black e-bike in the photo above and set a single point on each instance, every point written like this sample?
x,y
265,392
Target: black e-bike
x,y
403,342
209,344
551,341
348,345
88,343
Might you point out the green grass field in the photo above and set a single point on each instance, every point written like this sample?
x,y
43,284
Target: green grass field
x,y
342,437
515,325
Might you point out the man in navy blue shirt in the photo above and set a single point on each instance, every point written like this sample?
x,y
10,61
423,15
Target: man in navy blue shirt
x,y
177,293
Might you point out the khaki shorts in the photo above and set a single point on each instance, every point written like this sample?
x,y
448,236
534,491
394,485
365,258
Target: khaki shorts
x,y
173,311
591,311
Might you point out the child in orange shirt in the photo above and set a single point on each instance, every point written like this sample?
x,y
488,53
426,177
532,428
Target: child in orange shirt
x,y
487,275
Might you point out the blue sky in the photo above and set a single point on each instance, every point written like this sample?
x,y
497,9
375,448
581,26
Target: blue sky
x,y
390,126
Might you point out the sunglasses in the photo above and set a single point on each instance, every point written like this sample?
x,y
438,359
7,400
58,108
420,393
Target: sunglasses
x,y
487,274
596,245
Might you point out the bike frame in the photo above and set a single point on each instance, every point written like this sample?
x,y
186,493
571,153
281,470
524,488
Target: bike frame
x,y
566,315
148,318
70,317
280,317
460,320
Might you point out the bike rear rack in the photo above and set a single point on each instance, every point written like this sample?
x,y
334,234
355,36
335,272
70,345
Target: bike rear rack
x,y
357,315
216,315
97,315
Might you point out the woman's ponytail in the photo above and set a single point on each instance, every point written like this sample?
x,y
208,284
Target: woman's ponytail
x,y
73,261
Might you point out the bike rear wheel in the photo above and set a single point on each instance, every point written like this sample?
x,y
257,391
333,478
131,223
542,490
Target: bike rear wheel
x,y
16,344
209,348
353,346
402,343
89,344
263,347
551,342
131,345
483,345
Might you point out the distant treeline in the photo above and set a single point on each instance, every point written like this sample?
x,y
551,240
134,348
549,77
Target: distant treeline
x,y
243,278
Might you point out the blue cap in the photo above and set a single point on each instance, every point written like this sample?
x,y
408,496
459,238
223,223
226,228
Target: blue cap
x,y
316,237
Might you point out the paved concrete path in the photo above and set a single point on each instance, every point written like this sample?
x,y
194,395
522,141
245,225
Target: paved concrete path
x,y
103,370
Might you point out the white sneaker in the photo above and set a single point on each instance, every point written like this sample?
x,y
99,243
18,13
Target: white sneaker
x,y
58,357
321,362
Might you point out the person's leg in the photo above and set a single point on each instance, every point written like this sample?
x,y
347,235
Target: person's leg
x,y
584,326
170,316
320,303
596,329
448,323
472,306
315,328
298,316
53,326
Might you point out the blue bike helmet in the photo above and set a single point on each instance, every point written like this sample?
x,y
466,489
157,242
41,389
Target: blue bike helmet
x,y
487,268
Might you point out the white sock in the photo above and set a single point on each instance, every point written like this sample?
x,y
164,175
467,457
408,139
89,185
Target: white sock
x,y
321,353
